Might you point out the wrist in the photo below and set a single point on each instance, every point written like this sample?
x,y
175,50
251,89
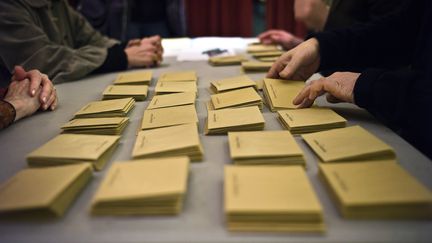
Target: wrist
x,y
17,107
9,113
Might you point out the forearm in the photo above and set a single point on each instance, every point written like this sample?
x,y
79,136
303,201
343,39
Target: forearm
x,y
383,43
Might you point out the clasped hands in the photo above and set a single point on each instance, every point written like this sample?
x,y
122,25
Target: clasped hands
x,y
30,91
146,52
303,61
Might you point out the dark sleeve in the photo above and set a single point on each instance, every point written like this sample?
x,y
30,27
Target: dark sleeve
x,y
401,99
387,42
7,114
116,60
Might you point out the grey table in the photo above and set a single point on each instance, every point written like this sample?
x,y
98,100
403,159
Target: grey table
x,y
202,219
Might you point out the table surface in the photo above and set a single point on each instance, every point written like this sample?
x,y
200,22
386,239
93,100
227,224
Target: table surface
x,y
202,218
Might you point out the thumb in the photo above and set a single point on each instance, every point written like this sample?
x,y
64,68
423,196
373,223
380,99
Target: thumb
x,y
19,73
290,69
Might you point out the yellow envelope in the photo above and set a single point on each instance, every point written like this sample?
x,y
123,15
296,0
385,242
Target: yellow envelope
x,y
142,77
281,93
271,194
253,48
169,141
378,190
310,120
227,60
255,66
43,190
138,92
180,76
350,143
152,186
169,116
75,148
175,87
106,108
236,98
232,83
170,100
234,119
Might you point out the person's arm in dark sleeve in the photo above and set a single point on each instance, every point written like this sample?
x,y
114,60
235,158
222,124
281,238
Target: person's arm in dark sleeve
x,y
384,43
401,99
116,60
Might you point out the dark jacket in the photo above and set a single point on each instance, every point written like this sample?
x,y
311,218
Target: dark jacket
x,y
395,54
50,36
113,17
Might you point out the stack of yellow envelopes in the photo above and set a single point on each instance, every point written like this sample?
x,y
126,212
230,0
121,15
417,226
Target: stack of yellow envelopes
x,y
350,143
232,83
255,66
265,147
43,191
236,98
377,190
271,198
267,54
234,119
143,187
134,78
268,59
138,92
227,60
171,100
181,140
75,148
180,76
310,120
280,94
106,108
175,87
258,47
169,116
103,126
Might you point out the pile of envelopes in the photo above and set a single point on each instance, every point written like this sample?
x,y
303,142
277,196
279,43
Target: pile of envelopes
x,y
102,126
47,191
181,140
227,60
106,108
134,78
236,98
272,199
310,120
177,82
169,116
349,143
234,119
75,148
264,148
138,92
143,187
232,83
171,100
280,94
376,190
256,66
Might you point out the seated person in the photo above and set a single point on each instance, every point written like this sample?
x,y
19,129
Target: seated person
x,y
321,15
398,91
50,36
28,92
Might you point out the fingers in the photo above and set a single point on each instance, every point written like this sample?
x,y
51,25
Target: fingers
x,y
290,68
309,93
278,65
19,73
54,103
50,102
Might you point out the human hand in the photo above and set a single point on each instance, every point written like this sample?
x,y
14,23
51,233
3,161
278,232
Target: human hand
x,y
339,88
281,37
48,94
142,56
19,97
299,63
313,13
